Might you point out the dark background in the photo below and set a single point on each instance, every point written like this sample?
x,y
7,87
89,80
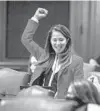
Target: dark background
x,y
18,13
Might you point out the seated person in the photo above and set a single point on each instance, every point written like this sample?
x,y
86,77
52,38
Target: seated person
x,y
84,92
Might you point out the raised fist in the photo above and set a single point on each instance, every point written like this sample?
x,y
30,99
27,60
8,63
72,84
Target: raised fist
x,y
40,13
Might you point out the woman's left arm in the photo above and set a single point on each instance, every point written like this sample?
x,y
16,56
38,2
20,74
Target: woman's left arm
x,y
78,70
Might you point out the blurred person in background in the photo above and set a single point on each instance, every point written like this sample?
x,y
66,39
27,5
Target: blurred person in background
x,y
95,61
85,93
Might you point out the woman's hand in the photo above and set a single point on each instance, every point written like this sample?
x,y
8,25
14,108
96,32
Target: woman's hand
x,y
40,13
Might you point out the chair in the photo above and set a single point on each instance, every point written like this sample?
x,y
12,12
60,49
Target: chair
x,y
87,69
35,91
10,82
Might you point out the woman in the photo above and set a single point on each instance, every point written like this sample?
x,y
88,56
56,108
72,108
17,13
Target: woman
x,y
57,66
84,92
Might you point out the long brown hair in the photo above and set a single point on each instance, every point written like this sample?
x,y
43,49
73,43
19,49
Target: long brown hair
x,y
85,91
50,53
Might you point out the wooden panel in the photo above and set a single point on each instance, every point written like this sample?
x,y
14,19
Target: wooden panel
x,y
2,29
97,29
18,12
13,19
83,28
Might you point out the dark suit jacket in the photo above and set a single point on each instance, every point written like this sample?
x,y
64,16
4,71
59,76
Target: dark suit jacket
x,y
65,76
